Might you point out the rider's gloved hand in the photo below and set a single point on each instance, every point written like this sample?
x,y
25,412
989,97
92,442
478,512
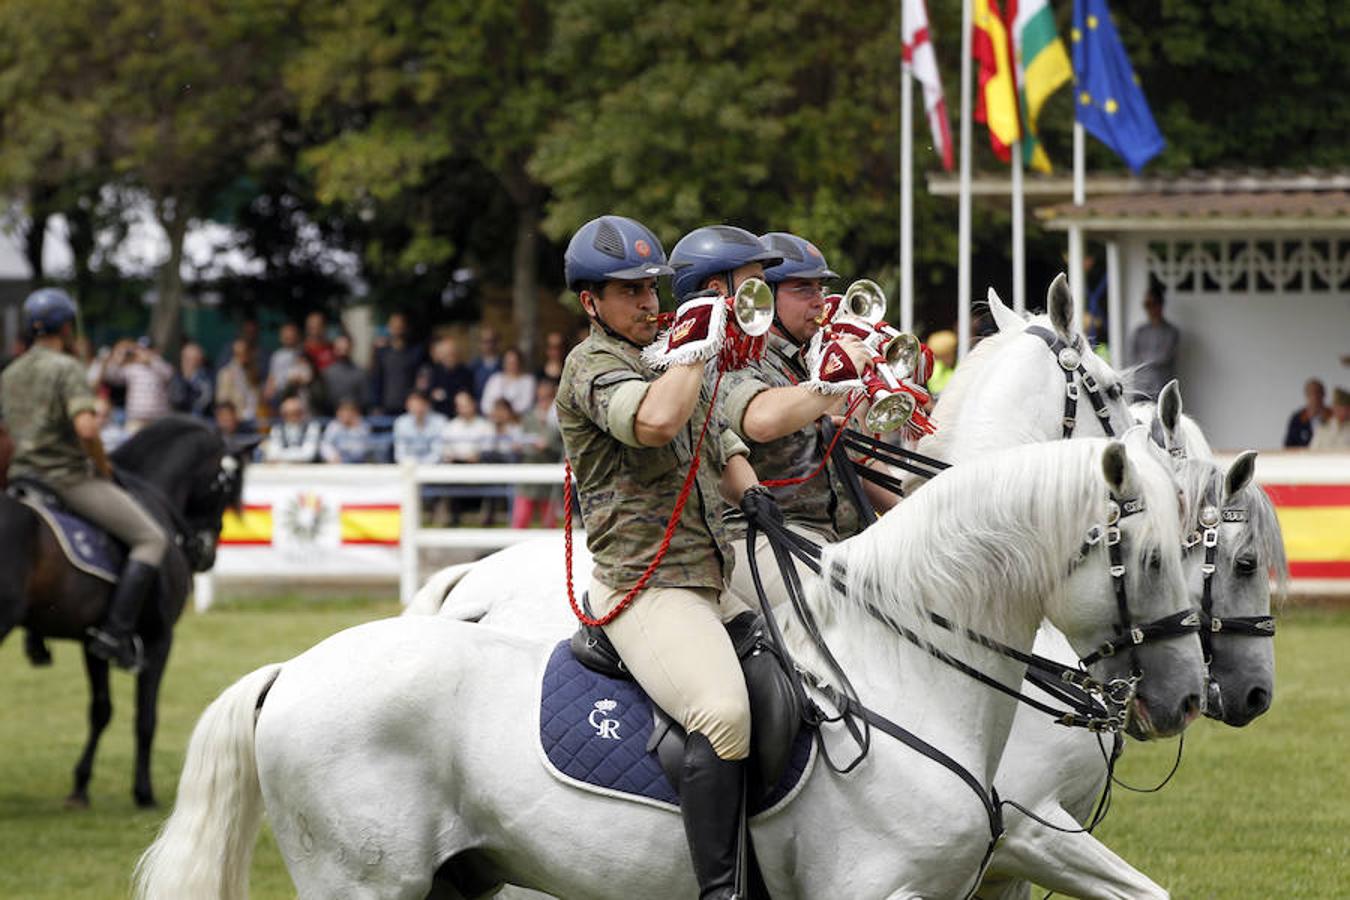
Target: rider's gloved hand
x,y
696,335
759,506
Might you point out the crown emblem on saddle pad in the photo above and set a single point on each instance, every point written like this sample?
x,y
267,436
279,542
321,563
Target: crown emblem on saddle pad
x,y
604,726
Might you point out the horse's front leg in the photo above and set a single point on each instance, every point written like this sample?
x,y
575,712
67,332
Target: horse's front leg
x,y
100,714
1075,864
147,717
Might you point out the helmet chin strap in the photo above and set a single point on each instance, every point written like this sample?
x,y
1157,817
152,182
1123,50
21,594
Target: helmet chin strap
x,y
594,314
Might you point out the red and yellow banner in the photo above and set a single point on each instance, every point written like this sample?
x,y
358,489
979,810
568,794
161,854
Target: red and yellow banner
x,y
358,523
1315,520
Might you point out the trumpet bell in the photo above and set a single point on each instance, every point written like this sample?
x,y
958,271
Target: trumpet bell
x,y
889,412
902,352
753,307
866,300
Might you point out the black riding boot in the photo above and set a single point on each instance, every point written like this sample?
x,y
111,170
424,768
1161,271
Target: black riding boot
x,y
116,640
711,789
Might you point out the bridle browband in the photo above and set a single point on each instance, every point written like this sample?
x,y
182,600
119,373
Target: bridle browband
x,y
1070,359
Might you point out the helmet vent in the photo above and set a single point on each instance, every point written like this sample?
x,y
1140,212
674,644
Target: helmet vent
x,y
609,241
731,235
787,247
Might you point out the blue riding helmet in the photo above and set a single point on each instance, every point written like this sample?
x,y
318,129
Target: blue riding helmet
x,y
801,259
613,248
715,250
47,309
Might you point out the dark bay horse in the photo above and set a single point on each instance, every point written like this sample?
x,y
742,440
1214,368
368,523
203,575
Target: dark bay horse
x,y
186,476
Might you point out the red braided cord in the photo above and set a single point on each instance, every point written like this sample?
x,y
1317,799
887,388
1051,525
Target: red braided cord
x,y
665,540
786,482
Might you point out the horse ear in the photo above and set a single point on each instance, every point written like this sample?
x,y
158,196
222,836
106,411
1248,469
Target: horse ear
x,y
242,445
1059,303
1169,406
1116,467
1239,473
1004,318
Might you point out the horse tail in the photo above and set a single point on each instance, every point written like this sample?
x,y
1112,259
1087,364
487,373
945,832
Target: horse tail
x,y
205,847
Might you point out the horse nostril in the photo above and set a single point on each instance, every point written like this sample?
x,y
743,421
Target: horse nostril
x,y
1190,707
1258,701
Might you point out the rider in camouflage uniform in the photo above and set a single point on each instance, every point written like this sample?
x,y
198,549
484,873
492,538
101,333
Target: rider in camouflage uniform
x,y
49,409
629,432
780,419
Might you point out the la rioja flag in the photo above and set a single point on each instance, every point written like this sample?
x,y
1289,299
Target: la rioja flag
x,y
922,62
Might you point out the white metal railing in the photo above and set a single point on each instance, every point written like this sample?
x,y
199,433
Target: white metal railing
x,y
402,486
415,537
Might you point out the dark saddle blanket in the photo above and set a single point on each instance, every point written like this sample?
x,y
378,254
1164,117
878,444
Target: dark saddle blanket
x,y
88,547
601,733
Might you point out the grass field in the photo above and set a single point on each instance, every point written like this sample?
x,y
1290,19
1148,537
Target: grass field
x,y
1260,812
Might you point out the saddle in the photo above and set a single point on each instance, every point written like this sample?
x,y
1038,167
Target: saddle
x,y
88,547
775,712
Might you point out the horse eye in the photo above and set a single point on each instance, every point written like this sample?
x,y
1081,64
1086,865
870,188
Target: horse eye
x,y
1155,560
1246,565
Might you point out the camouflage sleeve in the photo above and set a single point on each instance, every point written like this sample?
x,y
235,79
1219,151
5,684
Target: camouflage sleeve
x,y
75,391
732,445
741,386
609,394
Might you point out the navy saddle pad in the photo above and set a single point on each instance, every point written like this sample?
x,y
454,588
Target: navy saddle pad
x,y
594,731
88,547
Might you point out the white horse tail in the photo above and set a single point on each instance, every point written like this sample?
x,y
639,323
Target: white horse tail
x,y
205,848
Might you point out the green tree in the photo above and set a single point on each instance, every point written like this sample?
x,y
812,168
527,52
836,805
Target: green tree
x,y
410,95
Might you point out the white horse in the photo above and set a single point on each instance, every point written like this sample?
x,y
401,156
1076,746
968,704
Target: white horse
x,y
1059,773
400,757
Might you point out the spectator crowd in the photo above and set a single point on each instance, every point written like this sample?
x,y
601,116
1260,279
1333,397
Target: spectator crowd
x,y
313,403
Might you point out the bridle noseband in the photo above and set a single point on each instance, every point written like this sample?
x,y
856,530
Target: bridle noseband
x,y
1128,635
1070,359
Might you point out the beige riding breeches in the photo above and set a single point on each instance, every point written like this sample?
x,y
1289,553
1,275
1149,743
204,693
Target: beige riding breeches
x,y
674,643
113,509
743,583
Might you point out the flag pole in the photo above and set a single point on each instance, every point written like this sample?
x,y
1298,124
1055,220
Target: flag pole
x,y
1077,281
963,230
906,180
1019,247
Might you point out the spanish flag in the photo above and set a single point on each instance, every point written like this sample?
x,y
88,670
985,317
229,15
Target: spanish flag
x,y
996,104
1042,68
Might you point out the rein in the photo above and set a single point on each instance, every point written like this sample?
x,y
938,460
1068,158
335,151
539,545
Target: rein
x,y
1070,359
671,524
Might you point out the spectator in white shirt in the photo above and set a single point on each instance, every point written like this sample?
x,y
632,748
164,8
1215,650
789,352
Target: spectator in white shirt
x,y
467,434
295,439
146,376
346,439
418,433
279,366
512,384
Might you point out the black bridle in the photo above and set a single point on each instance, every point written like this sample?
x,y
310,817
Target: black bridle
x,y
1211,517
1127,634
1070,359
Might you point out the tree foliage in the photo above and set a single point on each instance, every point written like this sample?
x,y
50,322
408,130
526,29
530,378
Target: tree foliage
x,y
442,134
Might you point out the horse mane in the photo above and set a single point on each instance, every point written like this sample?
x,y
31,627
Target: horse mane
x,y
1007,524
947,410
164,442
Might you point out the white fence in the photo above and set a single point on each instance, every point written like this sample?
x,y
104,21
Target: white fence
x,y
356,525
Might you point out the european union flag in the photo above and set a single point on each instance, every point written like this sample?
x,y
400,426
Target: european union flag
x,y
1110,103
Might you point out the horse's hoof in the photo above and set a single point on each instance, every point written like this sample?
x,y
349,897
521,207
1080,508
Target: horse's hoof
x,y
40,662
146,802
77,801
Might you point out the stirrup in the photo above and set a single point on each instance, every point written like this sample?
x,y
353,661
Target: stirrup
x,y
125,653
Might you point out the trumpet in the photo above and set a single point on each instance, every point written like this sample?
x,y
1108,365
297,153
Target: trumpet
x,y
751,309
662,319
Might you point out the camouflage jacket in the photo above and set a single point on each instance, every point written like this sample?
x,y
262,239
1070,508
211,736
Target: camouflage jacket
x,y
628,491
822,503
41,392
